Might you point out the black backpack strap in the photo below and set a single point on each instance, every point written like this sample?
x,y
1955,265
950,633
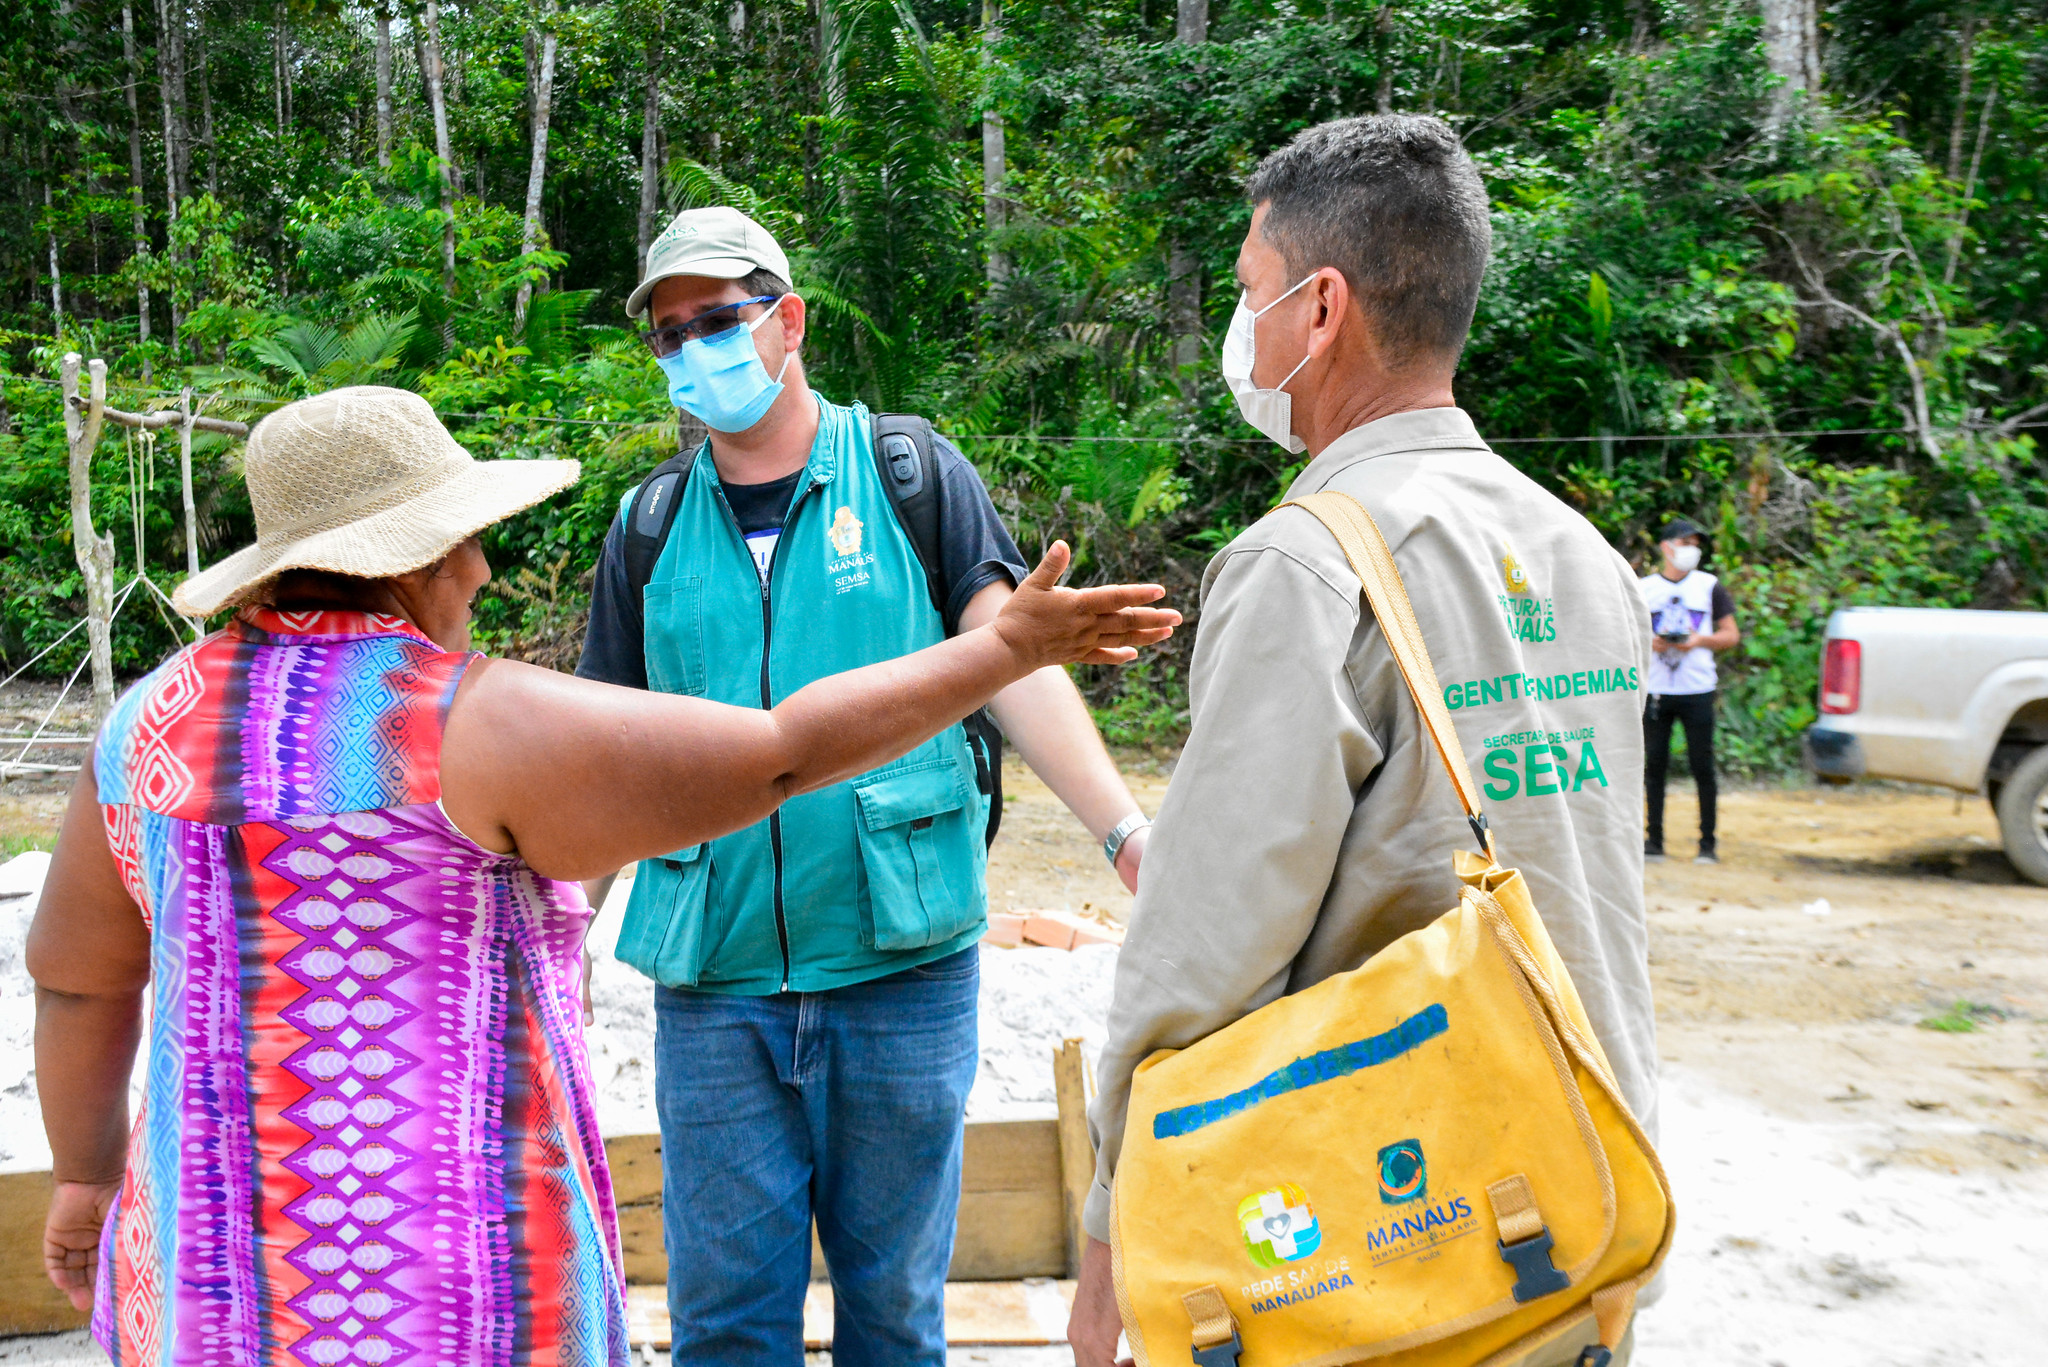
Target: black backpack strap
x,y
649,515
910,472
909,467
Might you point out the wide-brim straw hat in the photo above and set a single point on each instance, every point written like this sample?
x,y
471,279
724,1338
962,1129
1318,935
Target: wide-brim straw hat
x,y
363,481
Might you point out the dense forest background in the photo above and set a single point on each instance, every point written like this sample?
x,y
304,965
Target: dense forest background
x,y
1778,266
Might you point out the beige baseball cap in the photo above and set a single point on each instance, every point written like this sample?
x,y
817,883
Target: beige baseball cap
x,y
721,243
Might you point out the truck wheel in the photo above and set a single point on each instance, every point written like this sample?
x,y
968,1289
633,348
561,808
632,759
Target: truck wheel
x,y
2023,816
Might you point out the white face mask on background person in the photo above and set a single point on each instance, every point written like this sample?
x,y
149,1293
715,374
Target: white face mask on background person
x,y
1271,411
1684,559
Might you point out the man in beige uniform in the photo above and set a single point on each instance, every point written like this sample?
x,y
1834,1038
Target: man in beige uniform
x,y
1309,822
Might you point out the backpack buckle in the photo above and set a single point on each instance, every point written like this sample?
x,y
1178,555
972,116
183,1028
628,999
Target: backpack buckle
x,y
1535,1274
1209,1318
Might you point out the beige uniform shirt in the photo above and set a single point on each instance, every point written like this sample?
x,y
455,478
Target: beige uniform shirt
x,y
1310,823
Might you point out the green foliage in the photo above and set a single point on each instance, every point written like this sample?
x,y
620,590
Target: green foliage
x,y
1962,1018
1702,292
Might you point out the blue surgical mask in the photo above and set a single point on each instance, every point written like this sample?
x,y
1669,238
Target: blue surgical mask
x,y
720,380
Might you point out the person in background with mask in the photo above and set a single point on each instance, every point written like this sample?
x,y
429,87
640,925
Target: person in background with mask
x,y
1309,823
817,974
1691,618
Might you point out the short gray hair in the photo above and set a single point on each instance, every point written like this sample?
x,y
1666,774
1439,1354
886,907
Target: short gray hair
x,y
1393,202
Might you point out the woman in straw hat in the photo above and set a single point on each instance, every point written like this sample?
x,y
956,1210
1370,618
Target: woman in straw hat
x,y
335,846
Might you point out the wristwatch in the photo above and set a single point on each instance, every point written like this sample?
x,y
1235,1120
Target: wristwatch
x,y
1113,843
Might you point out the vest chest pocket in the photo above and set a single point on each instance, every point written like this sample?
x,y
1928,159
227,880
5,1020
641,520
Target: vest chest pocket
x,y
917,851
673,635
666,932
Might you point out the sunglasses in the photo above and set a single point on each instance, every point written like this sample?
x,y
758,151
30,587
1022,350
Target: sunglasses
x,y
667,341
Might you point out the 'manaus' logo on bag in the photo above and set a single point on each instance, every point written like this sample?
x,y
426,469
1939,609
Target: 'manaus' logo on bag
x,y
1279,1226
1403,1175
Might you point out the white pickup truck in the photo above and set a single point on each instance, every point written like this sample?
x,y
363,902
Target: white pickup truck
x,y
1945,696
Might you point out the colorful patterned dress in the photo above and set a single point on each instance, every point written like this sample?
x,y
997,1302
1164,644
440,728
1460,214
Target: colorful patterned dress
x,y
367,1136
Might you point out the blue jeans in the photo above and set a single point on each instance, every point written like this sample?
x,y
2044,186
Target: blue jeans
x,y
846,1106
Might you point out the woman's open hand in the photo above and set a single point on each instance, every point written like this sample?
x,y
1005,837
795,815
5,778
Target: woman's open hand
x,y
1049,625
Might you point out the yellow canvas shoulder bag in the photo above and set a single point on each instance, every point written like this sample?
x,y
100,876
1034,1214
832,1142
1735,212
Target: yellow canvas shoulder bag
x,y
1424,1162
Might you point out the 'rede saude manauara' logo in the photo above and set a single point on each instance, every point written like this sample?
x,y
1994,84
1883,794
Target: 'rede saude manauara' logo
x,y
1279,1225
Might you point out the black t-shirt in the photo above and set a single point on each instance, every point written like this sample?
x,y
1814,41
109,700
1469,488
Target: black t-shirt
x,y
975,550
759,509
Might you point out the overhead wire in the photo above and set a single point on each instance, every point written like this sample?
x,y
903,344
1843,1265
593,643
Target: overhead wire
x,y
1761,434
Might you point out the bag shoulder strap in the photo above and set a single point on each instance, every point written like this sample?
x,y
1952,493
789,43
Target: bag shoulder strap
x,y
910,472
651,513
1370,559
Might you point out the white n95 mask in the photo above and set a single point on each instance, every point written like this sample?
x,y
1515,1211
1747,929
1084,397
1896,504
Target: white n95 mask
x,y
1685,558
1271,411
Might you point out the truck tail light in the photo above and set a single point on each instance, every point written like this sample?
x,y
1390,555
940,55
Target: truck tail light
x,y
1841,677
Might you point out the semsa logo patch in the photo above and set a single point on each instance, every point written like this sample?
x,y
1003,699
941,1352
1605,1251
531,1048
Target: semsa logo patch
x,y
1403,1175
1279,1226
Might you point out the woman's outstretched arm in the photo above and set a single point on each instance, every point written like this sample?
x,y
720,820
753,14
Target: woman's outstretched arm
x,y
582,778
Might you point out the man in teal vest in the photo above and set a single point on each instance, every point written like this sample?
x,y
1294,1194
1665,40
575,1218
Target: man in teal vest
x,y
817,974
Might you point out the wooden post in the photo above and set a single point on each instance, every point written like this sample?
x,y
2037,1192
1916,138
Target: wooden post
x,y
185,480
95,552
1077,1151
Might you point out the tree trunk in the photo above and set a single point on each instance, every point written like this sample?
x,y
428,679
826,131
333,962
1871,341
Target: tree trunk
x,y
56,272
1183,265
831,59
95,553
277,66
185,481
136,192
1962,116
170,64
69,55
384,108
1383,98
1642,24
430,70
994,158
1955,241
206,137
1792,50
650,150
171,19
543,86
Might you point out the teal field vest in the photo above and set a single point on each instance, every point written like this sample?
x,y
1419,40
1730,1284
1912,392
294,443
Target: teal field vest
x,y
851,882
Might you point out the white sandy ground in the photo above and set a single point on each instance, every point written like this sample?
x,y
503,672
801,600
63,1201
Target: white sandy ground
x,y
1799,1244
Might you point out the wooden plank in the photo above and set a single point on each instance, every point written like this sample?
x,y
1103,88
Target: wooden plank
x,y
29,1304
978,1314
635,1161
1012,1217
1011,1223
1077,1150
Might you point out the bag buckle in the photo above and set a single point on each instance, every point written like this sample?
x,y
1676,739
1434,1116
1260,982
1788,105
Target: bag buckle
x,y
1535,1274
1209,1318
1226,1354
